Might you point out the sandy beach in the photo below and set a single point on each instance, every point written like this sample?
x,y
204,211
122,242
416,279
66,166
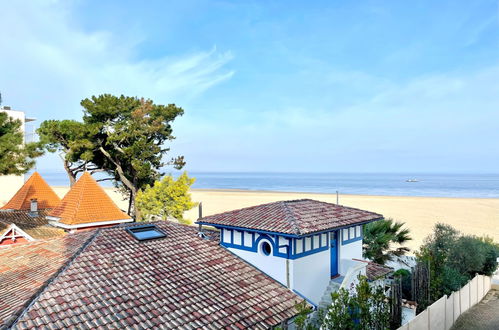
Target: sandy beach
x,y
477,216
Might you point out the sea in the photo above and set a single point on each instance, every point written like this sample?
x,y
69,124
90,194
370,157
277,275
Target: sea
x,y
382,184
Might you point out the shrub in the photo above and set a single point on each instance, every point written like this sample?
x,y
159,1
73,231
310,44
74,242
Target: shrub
x,y
365,307
454,259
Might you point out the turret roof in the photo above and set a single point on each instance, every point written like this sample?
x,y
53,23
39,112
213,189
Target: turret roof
x,y
85,203
35,188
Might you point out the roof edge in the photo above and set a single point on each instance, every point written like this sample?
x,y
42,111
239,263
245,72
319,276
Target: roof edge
x,y
55,221
286,234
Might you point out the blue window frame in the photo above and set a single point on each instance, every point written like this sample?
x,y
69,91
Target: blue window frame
x,y
146,232
266,249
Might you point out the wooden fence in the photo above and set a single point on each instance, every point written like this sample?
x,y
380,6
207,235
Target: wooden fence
x,y
442,314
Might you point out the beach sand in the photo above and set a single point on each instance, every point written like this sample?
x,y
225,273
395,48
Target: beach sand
x,y
477,216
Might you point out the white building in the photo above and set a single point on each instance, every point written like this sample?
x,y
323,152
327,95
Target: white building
x,y
11,183
304,244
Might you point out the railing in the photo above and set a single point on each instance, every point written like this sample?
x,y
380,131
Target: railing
x,y
444,312
352,276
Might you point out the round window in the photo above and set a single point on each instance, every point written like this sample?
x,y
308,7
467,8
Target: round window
x,y
266,249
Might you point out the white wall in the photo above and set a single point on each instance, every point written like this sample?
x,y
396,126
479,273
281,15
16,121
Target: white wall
x,y
271,265
311,275
348,252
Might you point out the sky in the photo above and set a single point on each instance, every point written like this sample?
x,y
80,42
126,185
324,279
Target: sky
x,y
275,86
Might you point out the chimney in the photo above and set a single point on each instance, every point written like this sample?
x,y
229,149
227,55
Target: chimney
x,y
200,209
34,207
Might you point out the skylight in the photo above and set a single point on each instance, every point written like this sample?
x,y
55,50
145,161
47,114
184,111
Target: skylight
x,y
146,232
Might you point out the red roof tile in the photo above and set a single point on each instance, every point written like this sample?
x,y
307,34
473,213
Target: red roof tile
x,y
180,281
35,187
375,271
36,226
87,202
297,217
24,269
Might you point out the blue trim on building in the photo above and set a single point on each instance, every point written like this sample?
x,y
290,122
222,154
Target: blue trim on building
x,y
283,234
349,238
291,245
307,253
249,229
291,251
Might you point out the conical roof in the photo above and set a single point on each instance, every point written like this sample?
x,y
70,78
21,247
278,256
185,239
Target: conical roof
x,y
35,187
87,202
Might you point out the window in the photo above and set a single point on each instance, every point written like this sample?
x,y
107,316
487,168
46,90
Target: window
x,y
146,232
266,249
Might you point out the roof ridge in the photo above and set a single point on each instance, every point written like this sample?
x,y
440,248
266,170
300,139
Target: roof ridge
x,y
80,195
49,281
23,192
291,218
87,202
34,187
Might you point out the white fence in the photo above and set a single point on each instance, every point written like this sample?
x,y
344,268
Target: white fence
x,y
442,314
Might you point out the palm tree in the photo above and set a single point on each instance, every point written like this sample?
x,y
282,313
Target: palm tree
x,y
384,239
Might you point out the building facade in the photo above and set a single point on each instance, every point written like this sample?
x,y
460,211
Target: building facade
x,y
302,244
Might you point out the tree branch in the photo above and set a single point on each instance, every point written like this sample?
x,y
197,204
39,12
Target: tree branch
x,y
106,179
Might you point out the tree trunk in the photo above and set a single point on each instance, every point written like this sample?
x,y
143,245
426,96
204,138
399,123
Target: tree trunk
x,y
131,187
71,175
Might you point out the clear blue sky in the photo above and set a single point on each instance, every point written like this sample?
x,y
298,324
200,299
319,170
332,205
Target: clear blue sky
x,y
312,86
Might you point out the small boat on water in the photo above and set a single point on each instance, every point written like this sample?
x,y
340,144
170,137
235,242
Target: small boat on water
x,y
412,180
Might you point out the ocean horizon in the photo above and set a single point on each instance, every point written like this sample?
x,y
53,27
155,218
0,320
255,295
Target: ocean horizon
x,y
382,184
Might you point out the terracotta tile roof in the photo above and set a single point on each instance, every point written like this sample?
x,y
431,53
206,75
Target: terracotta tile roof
x,y
180,281
297,217
35,226
35,187
25,268
87,202
375,271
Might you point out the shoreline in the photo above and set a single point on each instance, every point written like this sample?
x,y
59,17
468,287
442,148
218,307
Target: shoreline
x,y
238,190
328,193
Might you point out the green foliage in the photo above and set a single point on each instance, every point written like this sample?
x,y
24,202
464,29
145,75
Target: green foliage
x,y
454,259
302,318
123,136
384,240
406,279
434,252
339,314
452,279
166,198
366,307
16,157
72,140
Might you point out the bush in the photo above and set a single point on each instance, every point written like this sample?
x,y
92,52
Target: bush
x,y
166,198
454,259
365,307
